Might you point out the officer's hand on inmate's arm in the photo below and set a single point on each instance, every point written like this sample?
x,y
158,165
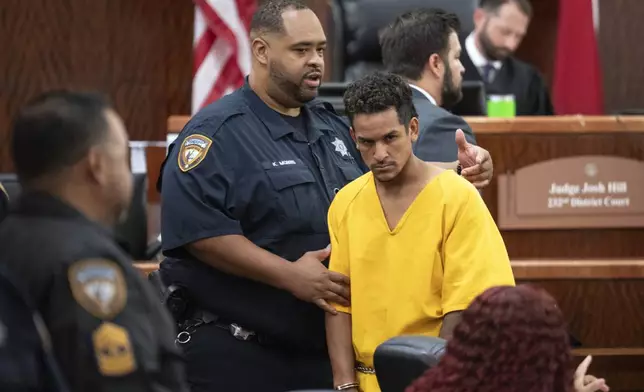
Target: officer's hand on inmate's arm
x,y
475,161
313,282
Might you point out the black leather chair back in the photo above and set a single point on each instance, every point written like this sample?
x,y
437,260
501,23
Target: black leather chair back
x,y
401,360
11,185
362,20
132,233
474,100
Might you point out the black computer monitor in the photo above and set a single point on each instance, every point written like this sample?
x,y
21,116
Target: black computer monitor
x,y
474,100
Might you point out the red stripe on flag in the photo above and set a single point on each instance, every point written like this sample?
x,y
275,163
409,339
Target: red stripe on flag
x,y
216,25
203,46
230,76
217,32
577,87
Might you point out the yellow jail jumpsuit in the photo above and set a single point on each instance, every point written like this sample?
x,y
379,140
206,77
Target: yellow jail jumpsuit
x,y
445,250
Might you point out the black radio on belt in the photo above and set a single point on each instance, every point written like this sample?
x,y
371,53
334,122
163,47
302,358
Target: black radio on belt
x,y
174,297
178,302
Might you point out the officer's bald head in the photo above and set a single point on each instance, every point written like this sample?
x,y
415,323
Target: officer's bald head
x,y
268,16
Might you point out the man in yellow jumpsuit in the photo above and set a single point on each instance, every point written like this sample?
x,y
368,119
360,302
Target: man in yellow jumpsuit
x,y
417,242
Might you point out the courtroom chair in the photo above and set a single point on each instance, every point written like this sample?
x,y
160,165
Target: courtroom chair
x,y
10,183
361,21
333,93
401,360
132,233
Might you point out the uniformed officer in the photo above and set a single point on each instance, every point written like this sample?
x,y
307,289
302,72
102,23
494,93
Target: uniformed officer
x,y
26,360
109,331
245,192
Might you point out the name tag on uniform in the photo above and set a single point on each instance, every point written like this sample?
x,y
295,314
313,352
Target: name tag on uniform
x,y
284,163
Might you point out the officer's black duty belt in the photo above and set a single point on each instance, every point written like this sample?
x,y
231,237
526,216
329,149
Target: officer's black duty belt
x,y
202,317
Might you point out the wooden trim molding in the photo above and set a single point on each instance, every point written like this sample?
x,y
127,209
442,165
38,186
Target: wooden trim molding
x,y
176,123
527,124
556,124
542,269
577,269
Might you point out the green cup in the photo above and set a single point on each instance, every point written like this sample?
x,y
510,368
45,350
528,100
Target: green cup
x,y
501,106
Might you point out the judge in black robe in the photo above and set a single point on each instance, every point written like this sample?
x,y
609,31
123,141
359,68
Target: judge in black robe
x,y
514,77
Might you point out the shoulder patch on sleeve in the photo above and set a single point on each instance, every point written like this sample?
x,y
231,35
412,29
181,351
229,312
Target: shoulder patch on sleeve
x,y
113,350
193,151
98,286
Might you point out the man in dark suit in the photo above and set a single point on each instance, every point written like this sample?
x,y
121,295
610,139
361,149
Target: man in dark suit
x,y
423,47
500,25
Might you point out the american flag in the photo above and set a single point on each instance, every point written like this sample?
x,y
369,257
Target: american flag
x,y
221,48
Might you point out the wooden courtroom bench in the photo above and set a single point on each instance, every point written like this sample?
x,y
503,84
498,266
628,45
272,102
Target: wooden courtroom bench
x,y
596,274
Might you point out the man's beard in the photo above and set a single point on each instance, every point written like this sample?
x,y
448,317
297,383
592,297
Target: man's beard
x,y
490,51
450,93
287,88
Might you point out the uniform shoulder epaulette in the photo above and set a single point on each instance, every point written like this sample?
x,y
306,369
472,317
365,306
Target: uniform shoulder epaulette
x,y
320,104
214,116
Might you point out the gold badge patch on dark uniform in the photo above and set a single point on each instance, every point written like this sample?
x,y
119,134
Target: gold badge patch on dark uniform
x,y
98,286
193,151
113,350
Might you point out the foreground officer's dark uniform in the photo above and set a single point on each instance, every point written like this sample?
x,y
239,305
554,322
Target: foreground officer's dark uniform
x,y
26,361
109,332
240,168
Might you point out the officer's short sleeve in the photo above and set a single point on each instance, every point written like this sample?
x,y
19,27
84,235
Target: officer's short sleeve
x,y
96,345
197,187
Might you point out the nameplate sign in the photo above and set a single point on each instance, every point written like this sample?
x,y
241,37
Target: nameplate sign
x,y
575,192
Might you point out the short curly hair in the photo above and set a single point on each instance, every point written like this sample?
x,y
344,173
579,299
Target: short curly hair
x,y
509,339
378,92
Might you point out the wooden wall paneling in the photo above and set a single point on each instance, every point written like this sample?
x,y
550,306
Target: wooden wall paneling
x,y
605,316
137,53
538,46
620,27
